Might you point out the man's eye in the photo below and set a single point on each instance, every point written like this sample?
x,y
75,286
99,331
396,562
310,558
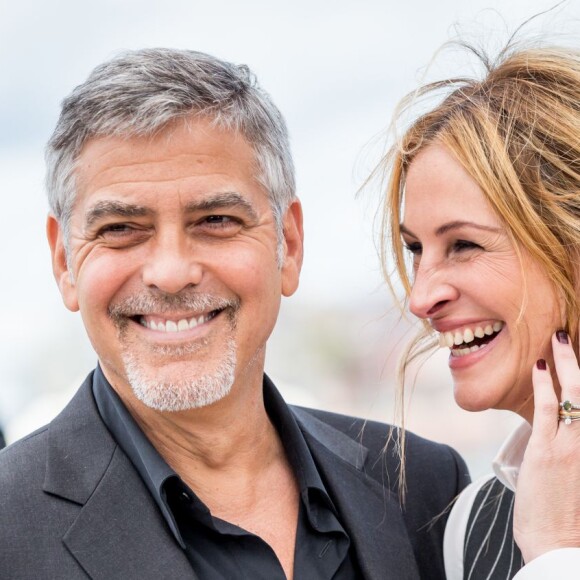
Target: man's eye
x,y
115,229
218,226
122,235
220,220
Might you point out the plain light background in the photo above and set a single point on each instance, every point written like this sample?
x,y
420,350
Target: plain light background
x,y
336,69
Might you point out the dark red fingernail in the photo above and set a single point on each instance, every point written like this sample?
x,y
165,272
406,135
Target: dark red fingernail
x,y
541,364
562,336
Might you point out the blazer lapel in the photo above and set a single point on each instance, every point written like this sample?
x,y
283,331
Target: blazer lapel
x,y
368,510
119,532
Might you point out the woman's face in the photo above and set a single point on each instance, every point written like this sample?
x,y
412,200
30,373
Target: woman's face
x,y
495,314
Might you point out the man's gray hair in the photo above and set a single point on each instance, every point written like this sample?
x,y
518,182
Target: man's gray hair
x,y
140,92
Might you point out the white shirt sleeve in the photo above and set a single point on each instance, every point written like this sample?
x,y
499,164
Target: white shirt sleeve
x,y
555,565
454,539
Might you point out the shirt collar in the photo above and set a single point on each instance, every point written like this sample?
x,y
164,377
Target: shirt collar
x,y
320,510
292,438
154,471
508,461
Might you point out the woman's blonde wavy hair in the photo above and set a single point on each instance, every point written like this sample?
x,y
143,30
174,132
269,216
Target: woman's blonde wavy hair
x,y
517,134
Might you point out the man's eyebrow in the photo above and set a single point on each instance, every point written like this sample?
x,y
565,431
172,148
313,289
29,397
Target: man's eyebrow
x,y
223,200
455,225
114,209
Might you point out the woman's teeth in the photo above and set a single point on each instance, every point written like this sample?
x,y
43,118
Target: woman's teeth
x,y
464,337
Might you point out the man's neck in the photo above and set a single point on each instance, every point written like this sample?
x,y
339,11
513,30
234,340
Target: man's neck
x,y
231,456
232,436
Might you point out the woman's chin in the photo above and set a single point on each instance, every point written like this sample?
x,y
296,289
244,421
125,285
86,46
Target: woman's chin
x,y
496,393
471,399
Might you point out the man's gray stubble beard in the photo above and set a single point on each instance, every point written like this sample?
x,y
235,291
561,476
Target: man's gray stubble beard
x,y
180,394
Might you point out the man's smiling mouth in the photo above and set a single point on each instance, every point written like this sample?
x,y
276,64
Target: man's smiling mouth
x,y
469,339
162,324
171,313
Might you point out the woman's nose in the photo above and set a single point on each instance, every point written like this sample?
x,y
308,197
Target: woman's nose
x,y
432,289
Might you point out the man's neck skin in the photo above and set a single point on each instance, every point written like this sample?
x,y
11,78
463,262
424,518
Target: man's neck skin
x,y
231,456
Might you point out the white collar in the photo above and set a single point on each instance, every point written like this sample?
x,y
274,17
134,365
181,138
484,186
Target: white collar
x,y
507,462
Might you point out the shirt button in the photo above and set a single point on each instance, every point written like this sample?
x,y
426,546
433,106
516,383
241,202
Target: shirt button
x,y
185,497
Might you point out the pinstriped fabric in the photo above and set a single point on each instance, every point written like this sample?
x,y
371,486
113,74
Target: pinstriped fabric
x,y
490,552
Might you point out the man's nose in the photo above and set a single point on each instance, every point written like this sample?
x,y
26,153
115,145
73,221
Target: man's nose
x,y
172,264
432,289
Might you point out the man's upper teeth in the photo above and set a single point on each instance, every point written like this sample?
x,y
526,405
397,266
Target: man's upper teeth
x,y
467,335
172,326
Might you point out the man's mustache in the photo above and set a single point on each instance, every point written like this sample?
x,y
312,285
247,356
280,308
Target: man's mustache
x,y
163,303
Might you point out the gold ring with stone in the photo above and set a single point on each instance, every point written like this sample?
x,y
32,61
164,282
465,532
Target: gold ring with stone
x,y
569,406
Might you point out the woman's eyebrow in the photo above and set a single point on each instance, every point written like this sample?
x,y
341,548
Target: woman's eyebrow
x,y
405,230
454,225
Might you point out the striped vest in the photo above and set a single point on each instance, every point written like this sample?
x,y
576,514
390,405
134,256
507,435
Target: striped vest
x,y
490,552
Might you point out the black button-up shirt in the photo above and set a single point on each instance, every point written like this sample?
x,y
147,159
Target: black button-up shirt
x,y
218,549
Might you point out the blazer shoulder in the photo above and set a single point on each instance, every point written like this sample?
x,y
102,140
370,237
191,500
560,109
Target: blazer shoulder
x,y
354,427
25,456
425,460
22,472
23,464
385,438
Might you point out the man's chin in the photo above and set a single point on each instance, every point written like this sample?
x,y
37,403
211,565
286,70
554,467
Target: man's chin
x,y
175,386
181,396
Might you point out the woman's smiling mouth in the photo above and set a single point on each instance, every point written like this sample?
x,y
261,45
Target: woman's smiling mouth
x,y
467,340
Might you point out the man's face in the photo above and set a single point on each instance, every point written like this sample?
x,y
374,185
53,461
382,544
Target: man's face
x,y
172,263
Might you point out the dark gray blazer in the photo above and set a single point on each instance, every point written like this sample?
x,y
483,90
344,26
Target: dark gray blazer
x,y
72,505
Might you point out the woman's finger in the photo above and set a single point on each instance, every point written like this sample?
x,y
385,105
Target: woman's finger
x,y
566,365
545,403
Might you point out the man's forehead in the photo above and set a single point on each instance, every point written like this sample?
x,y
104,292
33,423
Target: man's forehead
x,y
183,158
198,135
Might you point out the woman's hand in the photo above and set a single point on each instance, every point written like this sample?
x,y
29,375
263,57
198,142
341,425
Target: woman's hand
x,y
547,504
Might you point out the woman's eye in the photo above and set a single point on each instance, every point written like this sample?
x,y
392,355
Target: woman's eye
x,y
414,248
462,245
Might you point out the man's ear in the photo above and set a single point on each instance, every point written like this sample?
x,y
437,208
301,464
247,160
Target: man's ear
x,y
293,248
62,275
